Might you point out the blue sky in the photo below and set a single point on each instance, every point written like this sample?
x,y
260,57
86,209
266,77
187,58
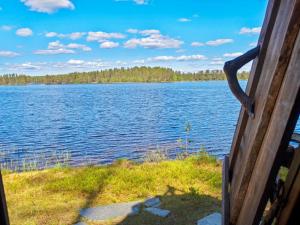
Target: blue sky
x,y
59,36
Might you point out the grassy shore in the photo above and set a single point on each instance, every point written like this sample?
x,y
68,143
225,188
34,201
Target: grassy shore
x,y
190,188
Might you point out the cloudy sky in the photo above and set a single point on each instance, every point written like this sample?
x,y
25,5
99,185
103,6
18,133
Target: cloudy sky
x,y
58,36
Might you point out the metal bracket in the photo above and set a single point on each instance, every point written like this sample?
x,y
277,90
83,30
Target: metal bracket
x,y
230,68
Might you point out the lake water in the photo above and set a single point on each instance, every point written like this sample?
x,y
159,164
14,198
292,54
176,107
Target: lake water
x,y
100,123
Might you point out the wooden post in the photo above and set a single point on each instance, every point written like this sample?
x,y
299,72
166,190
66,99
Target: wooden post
x,y
249,144
256,69
291,197
225,192
4,220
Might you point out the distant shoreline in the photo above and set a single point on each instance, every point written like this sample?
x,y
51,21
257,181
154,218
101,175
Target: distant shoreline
x,y
129,82
130,75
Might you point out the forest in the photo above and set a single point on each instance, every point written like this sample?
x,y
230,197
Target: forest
x,y
135,74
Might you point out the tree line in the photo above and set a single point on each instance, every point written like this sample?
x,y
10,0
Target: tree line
x,y
135,74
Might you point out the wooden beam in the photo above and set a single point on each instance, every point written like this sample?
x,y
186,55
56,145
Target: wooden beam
x,y
256,69
291,191
277,58
279,131
4,220
225,192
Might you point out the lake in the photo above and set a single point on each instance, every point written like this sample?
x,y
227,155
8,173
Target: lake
x,y
100,123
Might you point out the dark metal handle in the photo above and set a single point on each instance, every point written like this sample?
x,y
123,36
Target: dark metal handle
x,y
230,68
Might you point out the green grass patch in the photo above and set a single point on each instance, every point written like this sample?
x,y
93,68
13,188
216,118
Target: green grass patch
x,y
190,188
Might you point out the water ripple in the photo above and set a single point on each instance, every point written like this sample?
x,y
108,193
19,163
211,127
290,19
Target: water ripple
x,y
100,123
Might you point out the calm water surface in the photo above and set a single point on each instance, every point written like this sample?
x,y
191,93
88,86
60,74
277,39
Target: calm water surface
x,y
100,123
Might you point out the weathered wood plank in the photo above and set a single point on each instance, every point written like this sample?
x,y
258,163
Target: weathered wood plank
x,y
291,191
280,129
278,54
225,191
4,220
256,69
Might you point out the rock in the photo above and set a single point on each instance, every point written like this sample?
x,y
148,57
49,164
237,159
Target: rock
x,y
158,212
212,219
80,223
108,212
152,202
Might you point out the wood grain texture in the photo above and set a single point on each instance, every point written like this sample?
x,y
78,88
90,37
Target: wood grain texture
x,y
291,191
276,60
225,191
4,220
279,131
256,69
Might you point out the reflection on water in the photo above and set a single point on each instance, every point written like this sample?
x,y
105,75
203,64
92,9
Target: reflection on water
x,y
100,123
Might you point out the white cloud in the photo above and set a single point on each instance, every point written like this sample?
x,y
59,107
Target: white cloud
x,y
6,27
8,54
48,6
72,36
162,58
218,42
101,36
71,65
109,44
56,47
54,51
79,46
132,31
184,20
78,63
51,34
197,44
121,63
29,66
153,39
178,58
217,59
253,44
76,35
234,54
141,2
180,50
247,30
191,57
139,61
138,2
217,62
24,32
75,62
149,32
143,32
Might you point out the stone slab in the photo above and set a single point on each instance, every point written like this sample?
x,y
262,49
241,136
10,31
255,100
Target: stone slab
x,y
80,223
152,202
114,211
158,212
212,219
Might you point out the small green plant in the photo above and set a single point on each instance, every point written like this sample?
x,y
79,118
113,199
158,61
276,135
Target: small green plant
x,y
184,147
